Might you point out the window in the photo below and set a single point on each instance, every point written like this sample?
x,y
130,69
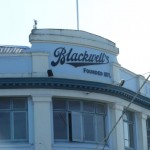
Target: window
x,y
13,119
128,122
148,132
78,121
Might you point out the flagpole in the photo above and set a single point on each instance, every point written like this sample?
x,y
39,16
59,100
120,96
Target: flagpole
x,y
77,14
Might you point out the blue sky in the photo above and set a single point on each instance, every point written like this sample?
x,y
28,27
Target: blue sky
x,y
125,22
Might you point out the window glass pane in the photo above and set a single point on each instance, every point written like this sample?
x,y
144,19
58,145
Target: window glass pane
x,y
148,123
4,125
130,116
76,126
5,104
148,140
88,107
100,108
148,133
60,125
59,104
74,105
100,128
89,128
126,134
19,104
131,135
20,125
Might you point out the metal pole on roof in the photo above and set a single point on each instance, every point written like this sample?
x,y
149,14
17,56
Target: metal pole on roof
x,y
77,14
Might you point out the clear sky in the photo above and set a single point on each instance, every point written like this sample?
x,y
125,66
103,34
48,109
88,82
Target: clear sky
x,y
125,22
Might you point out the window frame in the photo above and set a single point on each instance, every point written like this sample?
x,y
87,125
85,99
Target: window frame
x,y
129,122
12,110
81,113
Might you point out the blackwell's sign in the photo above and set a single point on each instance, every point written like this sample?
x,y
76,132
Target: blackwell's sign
x,y
77,59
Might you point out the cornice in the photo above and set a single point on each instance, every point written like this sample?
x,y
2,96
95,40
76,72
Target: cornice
x,y
71,84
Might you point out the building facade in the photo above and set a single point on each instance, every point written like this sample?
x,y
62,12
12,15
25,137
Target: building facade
x,y
64,92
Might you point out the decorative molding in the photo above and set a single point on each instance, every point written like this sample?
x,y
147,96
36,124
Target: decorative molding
x,y
71,84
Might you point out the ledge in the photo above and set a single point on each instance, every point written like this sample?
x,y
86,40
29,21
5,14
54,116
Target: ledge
x,y
70,84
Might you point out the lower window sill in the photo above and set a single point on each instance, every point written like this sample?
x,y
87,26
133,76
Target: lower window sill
x,y
15,145
77,145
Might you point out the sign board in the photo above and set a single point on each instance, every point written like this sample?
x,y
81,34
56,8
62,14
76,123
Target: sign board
x,y
81,63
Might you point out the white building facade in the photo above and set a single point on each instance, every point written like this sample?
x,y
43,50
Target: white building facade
x,y
64,93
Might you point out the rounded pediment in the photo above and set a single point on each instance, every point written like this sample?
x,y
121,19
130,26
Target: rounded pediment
x,y
73,37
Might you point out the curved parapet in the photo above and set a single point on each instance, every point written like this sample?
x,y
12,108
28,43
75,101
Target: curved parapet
x,y
73,37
